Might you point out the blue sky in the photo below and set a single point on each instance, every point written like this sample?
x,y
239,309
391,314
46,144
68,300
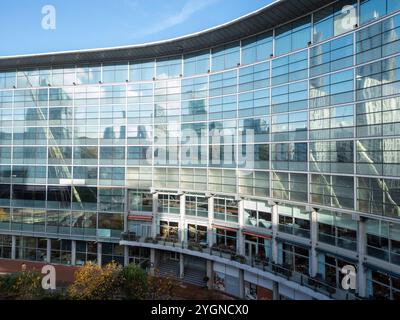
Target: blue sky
x,y
85,24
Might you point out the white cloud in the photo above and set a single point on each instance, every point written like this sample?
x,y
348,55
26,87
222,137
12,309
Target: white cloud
x,y
187,11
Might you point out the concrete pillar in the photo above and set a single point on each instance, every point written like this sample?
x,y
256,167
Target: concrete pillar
x,y
314,240
210,235
48,251
154,230
210,274
99,253
73,252
275,223
126,256
13,247
182,227
153,264
181,266
275,291
21,246
240,239
361,248
242,293
127,210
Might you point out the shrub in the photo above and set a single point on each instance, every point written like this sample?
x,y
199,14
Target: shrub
x,y
93,282
6,285
160,288
26,285
134,282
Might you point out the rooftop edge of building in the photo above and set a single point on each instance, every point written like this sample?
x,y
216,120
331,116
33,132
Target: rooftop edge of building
x,y
272,15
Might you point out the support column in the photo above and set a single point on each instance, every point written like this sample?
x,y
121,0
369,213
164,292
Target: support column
x,y
182,227
153,262
21,246
210,274
275,222
210,235
240,240
154,230
73,252
241,284
48,251
361,245
127,210
275,291
13,247
314,240
99,253
126,256
181,266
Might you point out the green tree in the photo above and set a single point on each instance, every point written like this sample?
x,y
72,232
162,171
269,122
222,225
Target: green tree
x,y
161,288
134,282
6,285
26,285
93,282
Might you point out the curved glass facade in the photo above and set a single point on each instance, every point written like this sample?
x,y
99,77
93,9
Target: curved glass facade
x,y
281,147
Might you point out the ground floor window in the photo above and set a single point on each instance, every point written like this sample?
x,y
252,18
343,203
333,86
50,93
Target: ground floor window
x,y
32,249
61,251
85,252
381,285
250,290
139,256
5,246
112,252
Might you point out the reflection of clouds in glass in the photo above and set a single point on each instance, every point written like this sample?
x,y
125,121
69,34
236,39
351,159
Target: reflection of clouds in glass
x,y
88,74
162,75
133,93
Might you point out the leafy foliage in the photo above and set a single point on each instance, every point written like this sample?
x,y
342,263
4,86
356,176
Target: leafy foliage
x,y
160,288
26,285
134,282
93,282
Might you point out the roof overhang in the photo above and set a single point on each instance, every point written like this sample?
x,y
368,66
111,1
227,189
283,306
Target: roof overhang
x,y
268,17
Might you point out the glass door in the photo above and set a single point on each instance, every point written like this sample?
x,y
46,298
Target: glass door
x,y
251,250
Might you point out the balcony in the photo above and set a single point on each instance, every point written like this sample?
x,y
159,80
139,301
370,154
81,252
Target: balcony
x,y
316,284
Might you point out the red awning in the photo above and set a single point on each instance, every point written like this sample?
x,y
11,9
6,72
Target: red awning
x,y
225,228
263,236
140,218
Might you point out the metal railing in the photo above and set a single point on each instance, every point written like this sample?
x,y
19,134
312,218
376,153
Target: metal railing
x,y
317,284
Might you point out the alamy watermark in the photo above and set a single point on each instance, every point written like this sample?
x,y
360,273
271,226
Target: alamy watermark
x,y
216,147
49,279
349,281
49,17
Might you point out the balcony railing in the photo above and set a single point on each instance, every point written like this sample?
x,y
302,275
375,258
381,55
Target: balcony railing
x,y
317,284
